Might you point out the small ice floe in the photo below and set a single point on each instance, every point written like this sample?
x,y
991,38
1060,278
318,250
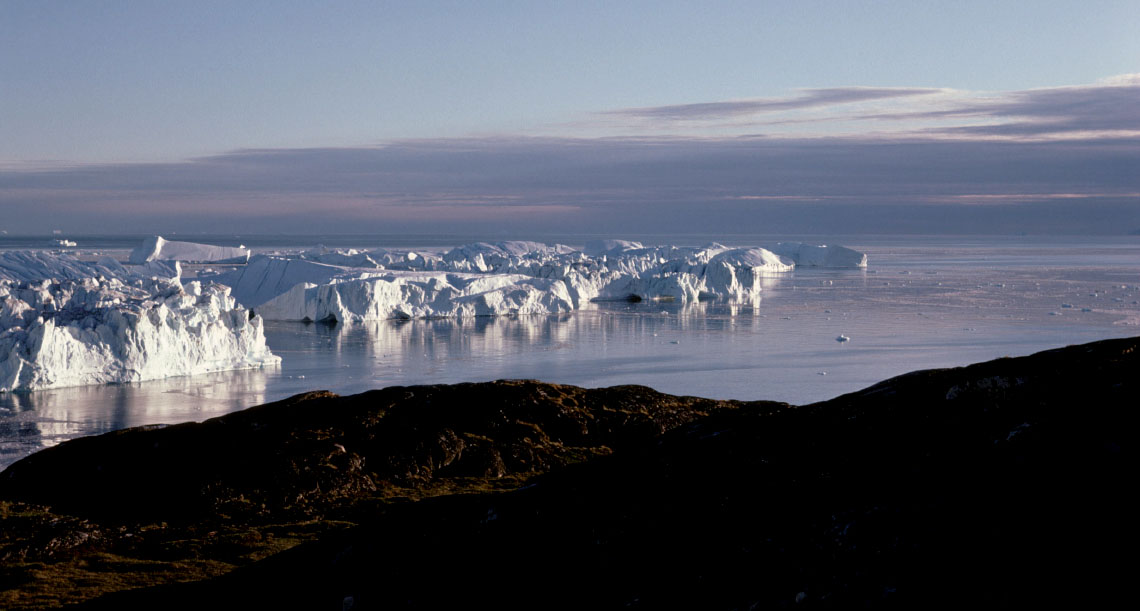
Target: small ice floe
x,y
1086,309
827,311
675,342
842,338
1054,313
821,373
66,243
1066,305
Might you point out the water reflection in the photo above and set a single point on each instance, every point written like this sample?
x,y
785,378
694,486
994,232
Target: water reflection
x,y
33,420
907,313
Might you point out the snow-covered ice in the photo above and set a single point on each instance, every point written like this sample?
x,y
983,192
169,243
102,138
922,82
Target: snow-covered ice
x,y
419,295
65,322
266,277
824,255
156,248
512,277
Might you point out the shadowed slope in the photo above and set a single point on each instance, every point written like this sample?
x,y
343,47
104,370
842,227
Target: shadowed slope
x,y
161,504
1001,484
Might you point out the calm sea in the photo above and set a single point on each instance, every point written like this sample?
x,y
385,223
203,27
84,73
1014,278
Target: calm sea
x,y
923,302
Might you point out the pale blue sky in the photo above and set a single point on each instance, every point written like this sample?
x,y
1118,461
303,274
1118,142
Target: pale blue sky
x,y
367,116
143,81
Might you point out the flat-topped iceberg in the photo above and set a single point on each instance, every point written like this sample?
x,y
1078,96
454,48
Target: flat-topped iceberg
x,y
156,248
98,323
512,277
824,255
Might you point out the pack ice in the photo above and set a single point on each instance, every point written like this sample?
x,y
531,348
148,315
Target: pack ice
x,y
65,322
512,277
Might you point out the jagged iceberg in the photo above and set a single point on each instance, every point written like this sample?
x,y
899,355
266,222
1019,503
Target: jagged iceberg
x,y
512,277
65,322
156,248
397,295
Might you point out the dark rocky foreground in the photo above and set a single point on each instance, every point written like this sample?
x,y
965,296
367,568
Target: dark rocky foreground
x,y
1002,484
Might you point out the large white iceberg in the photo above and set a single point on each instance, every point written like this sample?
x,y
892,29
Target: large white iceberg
x,y
512,277
97,323
396,295
502,278
266,277
156,248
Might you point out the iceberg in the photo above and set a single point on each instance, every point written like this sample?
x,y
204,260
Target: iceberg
x,y
595,248
156,248
404,295
34,265
825,255
345,258
65,322
510,277
266,277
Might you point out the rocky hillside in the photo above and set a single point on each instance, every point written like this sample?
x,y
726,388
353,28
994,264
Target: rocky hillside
x,y
156,504
1002,484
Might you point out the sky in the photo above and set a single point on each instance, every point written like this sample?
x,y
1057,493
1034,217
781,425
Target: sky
x,y
589,117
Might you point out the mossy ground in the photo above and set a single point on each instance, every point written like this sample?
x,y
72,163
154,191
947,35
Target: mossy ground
x,y
46,566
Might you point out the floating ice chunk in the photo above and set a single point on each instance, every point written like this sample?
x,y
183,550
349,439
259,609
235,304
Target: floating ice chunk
x,y
827,255
66,243
56,333
345,258
32,265
842,338
758,259
266,277
502,257
528,277
397,295
597,248
155,248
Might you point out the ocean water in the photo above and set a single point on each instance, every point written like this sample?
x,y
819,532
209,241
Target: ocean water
x,y
923,302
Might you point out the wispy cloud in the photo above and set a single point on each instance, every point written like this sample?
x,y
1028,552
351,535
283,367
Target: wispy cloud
x,y
810,98
1047,160
1108,108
